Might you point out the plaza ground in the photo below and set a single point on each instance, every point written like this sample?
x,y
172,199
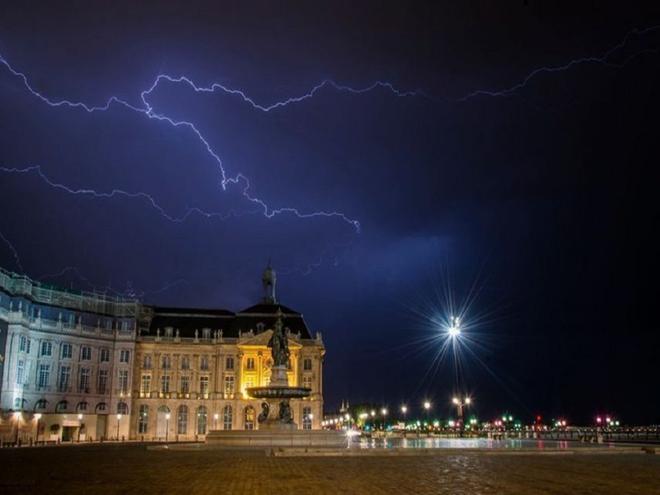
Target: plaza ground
x,y
101,469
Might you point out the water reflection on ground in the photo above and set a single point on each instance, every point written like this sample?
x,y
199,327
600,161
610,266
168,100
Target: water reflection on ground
x,y
469,443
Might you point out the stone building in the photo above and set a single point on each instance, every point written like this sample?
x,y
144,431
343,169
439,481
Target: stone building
x,y
85,366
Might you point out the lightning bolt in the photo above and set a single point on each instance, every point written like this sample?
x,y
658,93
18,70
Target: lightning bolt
x,y
129,292
115,193
603,59
145,108
13,250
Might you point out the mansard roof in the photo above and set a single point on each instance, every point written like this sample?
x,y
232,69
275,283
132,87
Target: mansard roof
x,y
257,318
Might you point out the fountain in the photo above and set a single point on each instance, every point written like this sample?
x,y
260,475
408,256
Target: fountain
x,y
277,430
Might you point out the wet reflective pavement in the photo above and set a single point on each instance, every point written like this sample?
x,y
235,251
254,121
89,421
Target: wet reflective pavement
x,y
134,469
474,443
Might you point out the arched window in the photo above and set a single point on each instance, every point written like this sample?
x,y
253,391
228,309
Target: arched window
x,y
143,419
249,418
62,406
202,418
122,408
182,420
81,407
227,417
41,404
101,407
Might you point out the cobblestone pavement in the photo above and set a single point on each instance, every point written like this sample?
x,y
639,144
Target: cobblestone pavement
x,y
134,469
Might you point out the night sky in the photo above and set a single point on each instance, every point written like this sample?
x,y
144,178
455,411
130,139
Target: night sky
x,y
536,197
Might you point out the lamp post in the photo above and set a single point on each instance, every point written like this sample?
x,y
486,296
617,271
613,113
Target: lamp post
x,y
460,404
118,419
404,410
38,418
427,408
167,426
384,412
17,417
80,417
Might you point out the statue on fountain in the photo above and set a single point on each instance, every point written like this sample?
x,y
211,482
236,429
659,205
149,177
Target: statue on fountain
x,y
279,346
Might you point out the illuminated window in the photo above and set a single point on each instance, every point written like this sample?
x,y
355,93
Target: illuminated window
x,y
249,418
229,385
307,381
143,419
249,363
182,420
123,381
227,417
204,385
145,388
165,384
201,420
307,418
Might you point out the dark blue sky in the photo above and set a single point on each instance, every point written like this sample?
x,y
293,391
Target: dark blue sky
x,y
545,196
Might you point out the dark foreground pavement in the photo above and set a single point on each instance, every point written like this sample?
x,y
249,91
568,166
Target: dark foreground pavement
x,y
135,469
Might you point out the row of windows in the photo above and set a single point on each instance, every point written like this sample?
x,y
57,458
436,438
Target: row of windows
x,y
184,382
71,319
181,420
64,379
66,351
166,362
63,406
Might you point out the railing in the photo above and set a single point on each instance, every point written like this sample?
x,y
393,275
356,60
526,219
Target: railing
x,y
20,285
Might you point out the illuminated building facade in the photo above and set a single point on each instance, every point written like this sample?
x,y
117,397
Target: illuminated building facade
x,y
87,366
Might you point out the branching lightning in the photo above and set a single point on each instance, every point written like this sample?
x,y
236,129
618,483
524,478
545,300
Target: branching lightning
x,y
128,292
145,108
604,59
13,250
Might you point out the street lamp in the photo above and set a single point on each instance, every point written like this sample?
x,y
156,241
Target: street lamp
x,y
427,407
17,417
118,419
167,426
38,418
80,417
